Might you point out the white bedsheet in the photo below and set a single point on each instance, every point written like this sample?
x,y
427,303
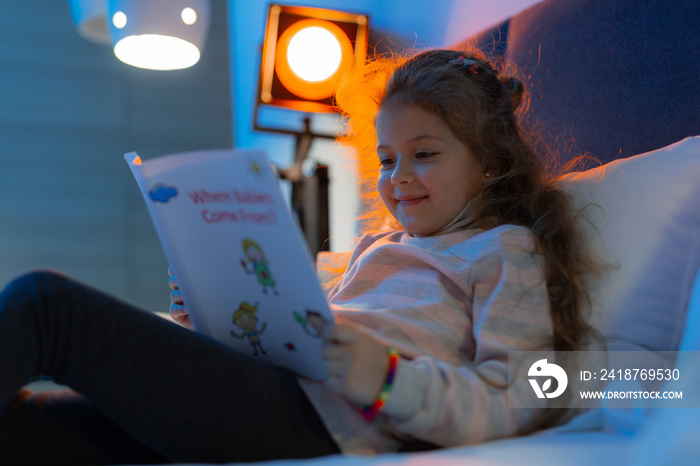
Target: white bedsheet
x,y
590,448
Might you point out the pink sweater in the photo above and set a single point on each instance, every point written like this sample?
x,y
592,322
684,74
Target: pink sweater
x,y
453,305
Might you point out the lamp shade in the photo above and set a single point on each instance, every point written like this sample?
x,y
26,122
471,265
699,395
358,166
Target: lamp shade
x,y
306,51
158,34
89,18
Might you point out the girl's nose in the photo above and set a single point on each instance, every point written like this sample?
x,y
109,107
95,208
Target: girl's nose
x,y
403,172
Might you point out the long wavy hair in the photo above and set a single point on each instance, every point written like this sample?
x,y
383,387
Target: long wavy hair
x,y
482,106
479,105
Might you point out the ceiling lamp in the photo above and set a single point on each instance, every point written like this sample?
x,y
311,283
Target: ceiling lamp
x,y
89,19
158,34
306,51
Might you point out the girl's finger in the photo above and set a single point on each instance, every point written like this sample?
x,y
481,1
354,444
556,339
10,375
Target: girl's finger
x,y
334,352
336,370
172,283
176,297
178,311
342,333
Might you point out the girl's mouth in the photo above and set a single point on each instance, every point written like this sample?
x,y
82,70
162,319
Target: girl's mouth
x,y
408,201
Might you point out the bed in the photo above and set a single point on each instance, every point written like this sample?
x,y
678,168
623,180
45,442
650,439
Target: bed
x,y
617,79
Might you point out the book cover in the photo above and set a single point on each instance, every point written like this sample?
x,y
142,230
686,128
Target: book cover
x,y
238,254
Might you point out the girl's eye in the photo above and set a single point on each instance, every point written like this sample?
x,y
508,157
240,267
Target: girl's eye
x,y
385,161
424,155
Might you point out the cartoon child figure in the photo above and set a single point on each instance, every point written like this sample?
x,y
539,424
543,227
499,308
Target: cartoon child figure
x,y
314,320
245,319
255,257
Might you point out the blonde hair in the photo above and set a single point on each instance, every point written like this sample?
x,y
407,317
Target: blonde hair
x,y
245,308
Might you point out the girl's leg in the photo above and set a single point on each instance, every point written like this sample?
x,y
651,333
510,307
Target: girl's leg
x,y
178,393
65,428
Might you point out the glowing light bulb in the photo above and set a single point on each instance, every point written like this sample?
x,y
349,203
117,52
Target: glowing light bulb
x,y
119,19
157,52
189,16
314,54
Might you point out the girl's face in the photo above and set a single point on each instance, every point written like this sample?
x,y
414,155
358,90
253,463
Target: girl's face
x,y
427,175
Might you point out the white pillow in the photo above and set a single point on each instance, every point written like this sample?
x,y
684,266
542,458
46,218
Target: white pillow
x,y
648,227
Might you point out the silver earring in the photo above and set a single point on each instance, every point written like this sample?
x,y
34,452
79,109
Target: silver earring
x,y
488,175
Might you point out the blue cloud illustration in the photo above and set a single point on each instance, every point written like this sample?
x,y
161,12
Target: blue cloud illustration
x,y
161,193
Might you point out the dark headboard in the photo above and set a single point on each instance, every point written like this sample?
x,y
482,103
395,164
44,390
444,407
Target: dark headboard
x,y
618,77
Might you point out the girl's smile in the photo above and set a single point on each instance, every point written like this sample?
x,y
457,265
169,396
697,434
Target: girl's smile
x,y
427,175
407,201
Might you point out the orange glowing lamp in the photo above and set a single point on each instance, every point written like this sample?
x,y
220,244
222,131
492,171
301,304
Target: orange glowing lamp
x,y
306,51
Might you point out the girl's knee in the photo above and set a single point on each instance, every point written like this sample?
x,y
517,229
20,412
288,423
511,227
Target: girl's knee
x,y
37,282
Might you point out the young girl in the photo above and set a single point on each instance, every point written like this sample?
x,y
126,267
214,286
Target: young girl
x,y
480,257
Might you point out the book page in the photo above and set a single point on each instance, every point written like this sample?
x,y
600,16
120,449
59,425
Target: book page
x,y
238,254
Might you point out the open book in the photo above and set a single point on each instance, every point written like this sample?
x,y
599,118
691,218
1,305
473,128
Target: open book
x,y
240,260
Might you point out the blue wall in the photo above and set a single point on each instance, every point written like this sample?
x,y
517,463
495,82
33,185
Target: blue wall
x,y
69,110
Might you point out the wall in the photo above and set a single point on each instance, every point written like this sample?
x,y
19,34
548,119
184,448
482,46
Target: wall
x,y
394,25
69,110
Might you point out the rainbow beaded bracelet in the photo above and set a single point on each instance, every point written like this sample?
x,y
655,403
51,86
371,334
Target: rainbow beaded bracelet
x,y
370,411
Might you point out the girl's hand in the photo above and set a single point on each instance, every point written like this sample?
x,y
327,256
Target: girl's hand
x,y
178,311
357,362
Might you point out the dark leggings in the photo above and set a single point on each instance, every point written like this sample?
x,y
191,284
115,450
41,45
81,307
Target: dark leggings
x,y
144,390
